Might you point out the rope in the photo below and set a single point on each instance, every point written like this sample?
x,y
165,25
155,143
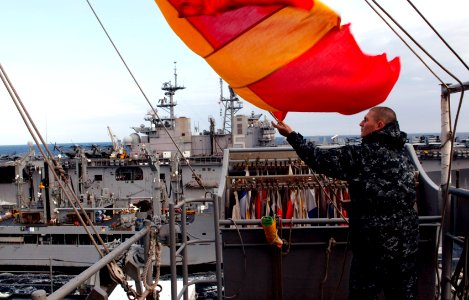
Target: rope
x,y
245,267
158,261
342,272
154,252
332,243
287,243
277,268
148,263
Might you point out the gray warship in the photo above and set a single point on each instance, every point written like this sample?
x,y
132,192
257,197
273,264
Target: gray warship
x,y
144,194
120,187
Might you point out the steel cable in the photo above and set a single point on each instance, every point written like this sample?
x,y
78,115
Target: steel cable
x,y
196,177
452,134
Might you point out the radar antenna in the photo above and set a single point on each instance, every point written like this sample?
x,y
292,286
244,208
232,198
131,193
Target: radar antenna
x,y
232,105
170,90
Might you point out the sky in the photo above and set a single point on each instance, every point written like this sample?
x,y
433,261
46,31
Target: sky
x,y
74,85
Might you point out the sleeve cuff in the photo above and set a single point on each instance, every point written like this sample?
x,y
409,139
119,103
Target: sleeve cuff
x,y
293,136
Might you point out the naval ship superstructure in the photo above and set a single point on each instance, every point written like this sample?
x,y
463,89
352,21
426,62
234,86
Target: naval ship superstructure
x,y
171,138
164,162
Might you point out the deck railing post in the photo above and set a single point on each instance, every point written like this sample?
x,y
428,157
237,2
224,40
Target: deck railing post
x,y
172,251
218,254
447,139
185,270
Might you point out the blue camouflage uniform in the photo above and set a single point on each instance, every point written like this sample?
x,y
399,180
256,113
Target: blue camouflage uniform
x,y
383,221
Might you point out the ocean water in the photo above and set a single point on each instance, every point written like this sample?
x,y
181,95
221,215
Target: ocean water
x,y
19,150
321,139
18,285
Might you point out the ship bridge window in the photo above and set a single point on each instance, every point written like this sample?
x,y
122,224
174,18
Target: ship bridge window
x,y
129,174
7,174
239,128
98,177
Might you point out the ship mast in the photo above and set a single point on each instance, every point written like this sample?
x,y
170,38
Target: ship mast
x,y
232,106
170,90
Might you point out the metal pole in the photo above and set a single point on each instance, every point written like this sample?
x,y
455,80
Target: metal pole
x,y
50,273
172,251
185,271
446,141
146,250
445,200
218,254
70,286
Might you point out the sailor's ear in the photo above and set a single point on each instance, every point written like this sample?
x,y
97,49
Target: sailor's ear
x,y
380,125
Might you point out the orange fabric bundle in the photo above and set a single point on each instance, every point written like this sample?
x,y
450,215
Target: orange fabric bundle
x,y
270,230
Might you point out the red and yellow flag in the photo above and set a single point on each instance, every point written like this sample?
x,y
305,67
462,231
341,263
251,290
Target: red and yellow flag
x,y
285,55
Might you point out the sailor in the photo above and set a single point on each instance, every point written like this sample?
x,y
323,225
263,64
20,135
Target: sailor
x,y
382,219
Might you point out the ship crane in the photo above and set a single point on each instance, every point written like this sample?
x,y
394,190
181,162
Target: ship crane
x,y
116,145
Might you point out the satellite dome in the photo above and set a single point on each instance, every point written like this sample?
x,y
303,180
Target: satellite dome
x,y
132,139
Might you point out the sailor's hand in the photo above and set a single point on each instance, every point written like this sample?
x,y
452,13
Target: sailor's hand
x,y
282,128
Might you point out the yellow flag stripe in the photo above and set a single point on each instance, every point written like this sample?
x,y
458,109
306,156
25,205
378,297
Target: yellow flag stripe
x,y
272,43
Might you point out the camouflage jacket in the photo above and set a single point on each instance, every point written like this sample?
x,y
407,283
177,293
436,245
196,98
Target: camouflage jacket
x,y
381,187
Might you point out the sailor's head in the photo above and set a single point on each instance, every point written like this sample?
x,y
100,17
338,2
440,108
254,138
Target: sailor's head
x,y
376,119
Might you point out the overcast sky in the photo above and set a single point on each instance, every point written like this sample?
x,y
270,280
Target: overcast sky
x,y
74,84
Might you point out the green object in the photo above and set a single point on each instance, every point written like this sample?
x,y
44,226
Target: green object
x,y
267,221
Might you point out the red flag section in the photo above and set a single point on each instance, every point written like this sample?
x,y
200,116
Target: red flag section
x,y
282,57
188,8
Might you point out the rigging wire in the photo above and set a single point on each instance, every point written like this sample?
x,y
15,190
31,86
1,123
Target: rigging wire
x,y
414,41
404,41
115,271
460,59
51,161
452,134
437,33
196,177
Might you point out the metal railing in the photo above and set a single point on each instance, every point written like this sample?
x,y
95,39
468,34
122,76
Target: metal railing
x,y
455,231
182,250
95,268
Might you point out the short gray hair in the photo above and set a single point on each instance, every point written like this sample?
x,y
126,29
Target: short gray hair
x,y
385,114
